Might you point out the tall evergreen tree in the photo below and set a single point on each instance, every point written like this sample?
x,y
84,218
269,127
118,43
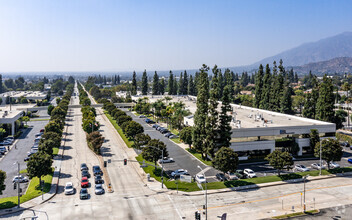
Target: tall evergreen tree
x,y
185,83
118,80
221,83
286,100
296,78
162,86
199,132
265,99
228,77
225,118
273,99
134,84
156,86
258,87
196,81
170,86
325,104
212,119
1,83
145,83
191,87
175,87
291,76
180,87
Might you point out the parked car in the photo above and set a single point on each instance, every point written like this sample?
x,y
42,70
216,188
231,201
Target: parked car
x,y
159,128
26,159
97,171
3,149
83,194
179,172
200,178
166,160
38,134
164,131
142,116
5,143
240,174
99,190
345,144
155,126
98,179
349,160
41,131
84,166
334,165
84,182
249,173
69,190
221,177
231,176
33,151
301,168
85,173
317,166
37,140
20,178
168,134
173,136
9,139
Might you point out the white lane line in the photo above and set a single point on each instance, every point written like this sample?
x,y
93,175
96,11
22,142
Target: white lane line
x,y
178,212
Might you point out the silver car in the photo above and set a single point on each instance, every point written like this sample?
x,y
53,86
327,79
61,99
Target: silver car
x,y
99,190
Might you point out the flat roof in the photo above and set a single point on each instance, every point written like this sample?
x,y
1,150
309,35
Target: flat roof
x,y
27,94
247,117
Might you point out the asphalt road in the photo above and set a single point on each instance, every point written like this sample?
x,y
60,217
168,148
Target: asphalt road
x,y
183,160
24,145
334,213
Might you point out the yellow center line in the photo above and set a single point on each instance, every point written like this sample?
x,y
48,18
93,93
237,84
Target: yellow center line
x,y
276,197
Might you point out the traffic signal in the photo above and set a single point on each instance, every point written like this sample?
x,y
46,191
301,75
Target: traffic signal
x,y
125,161
15,185
197,215
105,163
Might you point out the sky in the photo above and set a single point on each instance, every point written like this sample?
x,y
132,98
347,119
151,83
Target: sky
x,y
102,35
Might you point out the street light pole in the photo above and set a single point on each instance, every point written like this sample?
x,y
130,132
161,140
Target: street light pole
x,y
304,193
206,196
320,165
18,185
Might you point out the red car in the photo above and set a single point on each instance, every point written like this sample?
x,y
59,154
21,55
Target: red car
x,y
41,131
84,182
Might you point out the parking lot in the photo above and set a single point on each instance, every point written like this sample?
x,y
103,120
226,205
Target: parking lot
x,y
8,161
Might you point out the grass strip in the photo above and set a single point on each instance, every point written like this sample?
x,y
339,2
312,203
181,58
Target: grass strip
x,y
199,156
40,119
311,212
34,190
118,129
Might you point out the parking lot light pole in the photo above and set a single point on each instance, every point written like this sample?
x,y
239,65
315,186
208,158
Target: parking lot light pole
x,y
162,165
304,192
206,199
320,166
18,185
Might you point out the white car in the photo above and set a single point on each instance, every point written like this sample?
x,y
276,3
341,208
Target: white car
x,y
142,116
317,166
231,176
334,165
20,178
69,190
179,172
301,168
166,160
200,178
250,173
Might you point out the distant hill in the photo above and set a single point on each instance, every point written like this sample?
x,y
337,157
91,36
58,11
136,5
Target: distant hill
x,y
335,65
322,50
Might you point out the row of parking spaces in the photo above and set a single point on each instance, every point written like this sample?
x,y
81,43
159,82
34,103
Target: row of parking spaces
x,y
85,184
5,145
35,146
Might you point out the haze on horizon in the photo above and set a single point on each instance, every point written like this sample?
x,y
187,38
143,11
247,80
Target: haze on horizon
x,y
59,36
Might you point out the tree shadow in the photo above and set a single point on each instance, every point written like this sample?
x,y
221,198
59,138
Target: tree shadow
x,y
7,204
65,157
67,147
65,175
67,139
25,133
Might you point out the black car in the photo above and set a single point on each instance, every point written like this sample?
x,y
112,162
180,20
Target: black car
x,y
168,135
84,167
26,158
85,173
164,131
159,128
221,177
97,171
98,179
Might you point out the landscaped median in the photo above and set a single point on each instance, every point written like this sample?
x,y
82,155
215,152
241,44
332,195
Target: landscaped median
x,y
296,214
118,129
33,191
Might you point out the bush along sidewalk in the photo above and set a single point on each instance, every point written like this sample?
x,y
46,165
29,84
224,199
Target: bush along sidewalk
x,y
89,124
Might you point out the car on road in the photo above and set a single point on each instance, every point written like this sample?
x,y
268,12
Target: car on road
x,y
97,171
155,126
142,116
200,178
69,190
317,166
99,190
249,173
84,166
166,160
84,182
221,177
231,176
20,178
349,160
98,179
179,172
334,165
168,134
83,194
85,173
301,168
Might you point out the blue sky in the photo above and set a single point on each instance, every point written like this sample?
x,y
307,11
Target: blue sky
x,y
101,35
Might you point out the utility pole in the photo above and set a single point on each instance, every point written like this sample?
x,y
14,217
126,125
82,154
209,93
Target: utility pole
x,y
320,165
18,186
206,196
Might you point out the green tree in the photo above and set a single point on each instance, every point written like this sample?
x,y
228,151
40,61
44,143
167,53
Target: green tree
x,y
1,91
2,180
199,130
134,84
185,83
141,140
340,118
133,128
156,86
47,146
331,150
162,86
25,118
314,139
2,132
264,103
123,119
180,86
170,86
325,103
144,83
280,160
53,127
286,101
191,89
153,151
225,118
186,135
258,86
225,160
38,165
95,140
50,109
51,136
